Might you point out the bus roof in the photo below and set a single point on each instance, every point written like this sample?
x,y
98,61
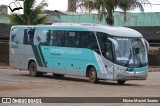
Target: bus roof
x,y
111,30
22,26
118,31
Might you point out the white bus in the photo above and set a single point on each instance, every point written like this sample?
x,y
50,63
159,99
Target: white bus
x,y
94,51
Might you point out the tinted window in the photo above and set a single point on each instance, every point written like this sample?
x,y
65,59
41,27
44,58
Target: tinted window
x,y
71,39
57,38
28,36
87,40
79,39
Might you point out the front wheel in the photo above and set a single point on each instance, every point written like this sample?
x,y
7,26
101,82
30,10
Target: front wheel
x,y
93,75
121,82
33,70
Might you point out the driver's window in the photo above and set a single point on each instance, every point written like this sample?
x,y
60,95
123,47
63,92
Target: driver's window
x,y
106,45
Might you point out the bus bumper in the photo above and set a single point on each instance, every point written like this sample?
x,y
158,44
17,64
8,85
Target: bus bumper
x,y
132,75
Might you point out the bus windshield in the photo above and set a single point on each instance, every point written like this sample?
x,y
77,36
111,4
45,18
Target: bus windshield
x,y
131,52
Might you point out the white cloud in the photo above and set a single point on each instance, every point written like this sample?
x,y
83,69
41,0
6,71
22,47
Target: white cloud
x,y
56,4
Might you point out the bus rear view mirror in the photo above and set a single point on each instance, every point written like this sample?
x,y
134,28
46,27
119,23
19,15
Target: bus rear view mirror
x,y
115,43
147,44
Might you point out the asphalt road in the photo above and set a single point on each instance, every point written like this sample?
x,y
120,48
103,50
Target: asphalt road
x,y
15,83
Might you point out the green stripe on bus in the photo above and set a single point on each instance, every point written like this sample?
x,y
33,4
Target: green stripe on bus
x,y
42,57
36,54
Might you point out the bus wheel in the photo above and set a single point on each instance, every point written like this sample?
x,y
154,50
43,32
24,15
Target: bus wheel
x,y
58,75
121,82
93,75
33,70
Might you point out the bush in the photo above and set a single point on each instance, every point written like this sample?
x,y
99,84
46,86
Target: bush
x,y
154,57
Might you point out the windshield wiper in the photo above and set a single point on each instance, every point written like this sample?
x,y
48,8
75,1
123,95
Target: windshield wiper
x,y
130,55
138,60
127,64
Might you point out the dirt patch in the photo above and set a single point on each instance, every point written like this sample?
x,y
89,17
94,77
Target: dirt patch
x,y
25,85
5,66
154,69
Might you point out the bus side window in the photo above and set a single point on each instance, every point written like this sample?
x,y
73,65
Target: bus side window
x,y
87,40
17,36
58,38
28,36
91,42
43,37
25,39
31,36
82,43
70,39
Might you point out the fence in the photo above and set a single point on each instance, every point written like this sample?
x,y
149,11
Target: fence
x,y
4,50
154,57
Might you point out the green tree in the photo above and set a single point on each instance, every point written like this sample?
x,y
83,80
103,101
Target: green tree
x,y
32,15
127,5
72,5
106,8
3,10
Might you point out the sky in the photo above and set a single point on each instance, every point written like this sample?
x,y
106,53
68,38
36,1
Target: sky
x,y
63,5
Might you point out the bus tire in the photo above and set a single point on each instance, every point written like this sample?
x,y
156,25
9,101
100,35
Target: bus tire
x,y
93,75
33,70
58,75
121,82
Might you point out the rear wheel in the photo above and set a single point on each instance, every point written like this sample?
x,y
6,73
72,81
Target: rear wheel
x,y
93,75
121,82
58,75
33,70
